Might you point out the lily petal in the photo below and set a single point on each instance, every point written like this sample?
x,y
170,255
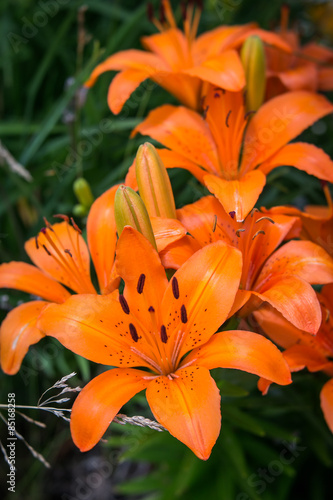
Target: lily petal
x,y
166,231
92,326
326,401
278,121
123,85
63,254
102,236
298,258
135,258
135,59
225,71
304,77
188,406
281,331
170,160
325,79
242,350
199,219
207,285
237,196
176,254
177,160
100,401
185,132
295,299
28,278
18,332
306,157
170,47
300,356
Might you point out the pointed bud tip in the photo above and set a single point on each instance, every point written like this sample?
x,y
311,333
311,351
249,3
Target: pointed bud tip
x,y
154,183
130,210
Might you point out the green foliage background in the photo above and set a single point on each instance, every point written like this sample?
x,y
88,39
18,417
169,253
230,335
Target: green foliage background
x,y
42,71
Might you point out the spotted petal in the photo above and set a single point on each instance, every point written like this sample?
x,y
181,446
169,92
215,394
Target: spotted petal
x,y
189,407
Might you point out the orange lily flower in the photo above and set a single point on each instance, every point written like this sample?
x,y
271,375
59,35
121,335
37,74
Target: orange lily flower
x,y
179,62
153,325
317,221
280,276
309,67
62,261
304,350
232,156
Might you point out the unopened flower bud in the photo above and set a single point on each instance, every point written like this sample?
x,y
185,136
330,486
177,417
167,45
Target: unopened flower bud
x,y
154,183
83,192
129,210
254,62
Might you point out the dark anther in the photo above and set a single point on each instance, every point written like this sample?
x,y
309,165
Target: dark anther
x,y
164,336
46,250
133,332
43,230
61,216
162,13
151,309
258,232
183,314
123,303
227,118
249,113
69,252
141,282
36,242
150,11
232,214
204,113
175,287
183,10
76,227
214,223
47,224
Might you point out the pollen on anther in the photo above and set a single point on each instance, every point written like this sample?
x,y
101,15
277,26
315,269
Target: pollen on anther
x,y
183,314
227,119
124,304
76,227
141,283
61,216
164,336
133,332
46,250
175,287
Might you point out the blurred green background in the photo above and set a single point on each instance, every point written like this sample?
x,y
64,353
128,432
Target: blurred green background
x,y
57,133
